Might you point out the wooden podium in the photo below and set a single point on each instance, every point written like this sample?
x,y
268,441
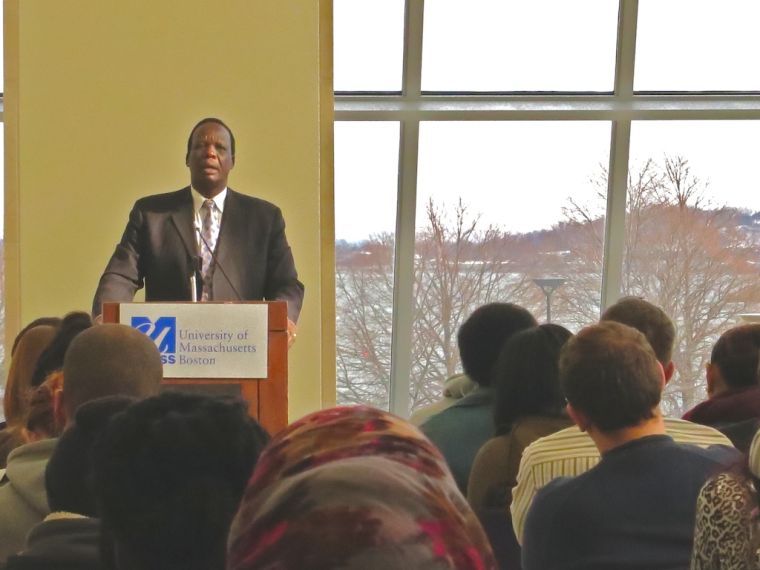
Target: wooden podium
x,y
267,398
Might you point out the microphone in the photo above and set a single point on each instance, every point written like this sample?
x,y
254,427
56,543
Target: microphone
x,y
216,261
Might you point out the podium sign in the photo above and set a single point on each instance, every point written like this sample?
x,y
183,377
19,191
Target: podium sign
x,y
204,340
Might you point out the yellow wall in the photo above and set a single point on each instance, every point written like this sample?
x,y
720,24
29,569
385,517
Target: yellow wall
x,y
100,97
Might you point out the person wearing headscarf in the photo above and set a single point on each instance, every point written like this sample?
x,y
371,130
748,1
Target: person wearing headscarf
x,y
354,488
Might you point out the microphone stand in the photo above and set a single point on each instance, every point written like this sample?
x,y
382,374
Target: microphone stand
x,y
217,264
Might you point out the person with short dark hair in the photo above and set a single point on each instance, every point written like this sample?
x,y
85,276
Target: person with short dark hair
x,y
168,476
103,360
69,537
169,235
733,386
636,508
570,452
460,430
354,488
23,501
651,321
108,360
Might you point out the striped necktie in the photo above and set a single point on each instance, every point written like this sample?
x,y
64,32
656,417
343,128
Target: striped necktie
x,y
210,231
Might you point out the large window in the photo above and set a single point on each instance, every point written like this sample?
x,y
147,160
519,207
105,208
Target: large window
x,y
485,147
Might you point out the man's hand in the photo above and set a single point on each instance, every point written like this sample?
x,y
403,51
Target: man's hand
x,y
292,330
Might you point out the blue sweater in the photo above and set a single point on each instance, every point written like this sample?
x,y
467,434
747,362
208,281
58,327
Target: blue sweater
x,y
461,430
635,509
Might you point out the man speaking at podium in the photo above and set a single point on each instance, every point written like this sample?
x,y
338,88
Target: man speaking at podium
x,y
205,242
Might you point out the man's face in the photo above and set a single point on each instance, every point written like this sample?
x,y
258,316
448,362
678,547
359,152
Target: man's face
x,y
210,158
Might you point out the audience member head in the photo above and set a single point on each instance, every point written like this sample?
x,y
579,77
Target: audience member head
x,y
611,377
108,360
354,488
734,360
526,375
51,359
28,347
203,122
169,472
69,472
652,322
484,332
54,322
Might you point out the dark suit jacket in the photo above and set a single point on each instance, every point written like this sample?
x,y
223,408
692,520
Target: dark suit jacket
x,y
158,247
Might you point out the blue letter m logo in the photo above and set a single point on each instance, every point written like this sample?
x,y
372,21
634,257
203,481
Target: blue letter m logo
x,y
163,332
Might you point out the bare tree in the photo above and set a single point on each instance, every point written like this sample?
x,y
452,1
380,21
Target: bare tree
x,y
458,266
686,255
694,259
364,285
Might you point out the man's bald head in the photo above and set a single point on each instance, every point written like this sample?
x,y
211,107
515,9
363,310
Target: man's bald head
x,y
109,360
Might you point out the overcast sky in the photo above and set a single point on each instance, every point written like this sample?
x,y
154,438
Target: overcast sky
x,y
519,175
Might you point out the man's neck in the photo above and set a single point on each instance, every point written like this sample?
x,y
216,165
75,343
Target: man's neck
x,y
607,441
208,192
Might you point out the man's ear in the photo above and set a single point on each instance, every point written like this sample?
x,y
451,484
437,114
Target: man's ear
x,y
669,370
710,378
663,375
579,418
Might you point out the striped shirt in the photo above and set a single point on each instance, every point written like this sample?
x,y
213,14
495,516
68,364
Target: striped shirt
x,y
570,452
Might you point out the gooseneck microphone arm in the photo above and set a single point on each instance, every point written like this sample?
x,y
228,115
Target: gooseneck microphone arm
x,y
216,261
195,262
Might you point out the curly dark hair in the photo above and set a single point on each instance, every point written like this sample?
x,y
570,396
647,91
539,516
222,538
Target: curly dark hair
x,y
736,355
169,473
482,335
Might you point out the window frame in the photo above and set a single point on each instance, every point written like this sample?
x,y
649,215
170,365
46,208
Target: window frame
x,y
621,108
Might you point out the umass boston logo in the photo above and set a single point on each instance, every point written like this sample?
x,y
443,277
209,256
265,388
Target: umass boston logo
x,y
163,331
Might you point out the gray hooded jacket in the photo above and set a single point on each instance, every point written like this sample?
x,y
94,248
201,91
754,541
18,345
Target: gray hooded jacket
x,y
23,500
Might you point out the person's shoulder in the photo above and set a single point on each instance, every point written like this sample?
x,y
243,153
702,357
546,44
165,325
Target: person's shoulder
x,y
684,431
167,200
728,484
456,420
496,447
248,201
440,421
529,429
570,442
481,397
556,493
720,454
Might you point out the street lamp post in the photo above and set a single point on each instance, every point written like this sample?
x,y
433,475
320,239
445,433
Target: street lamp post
x,y
549,285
